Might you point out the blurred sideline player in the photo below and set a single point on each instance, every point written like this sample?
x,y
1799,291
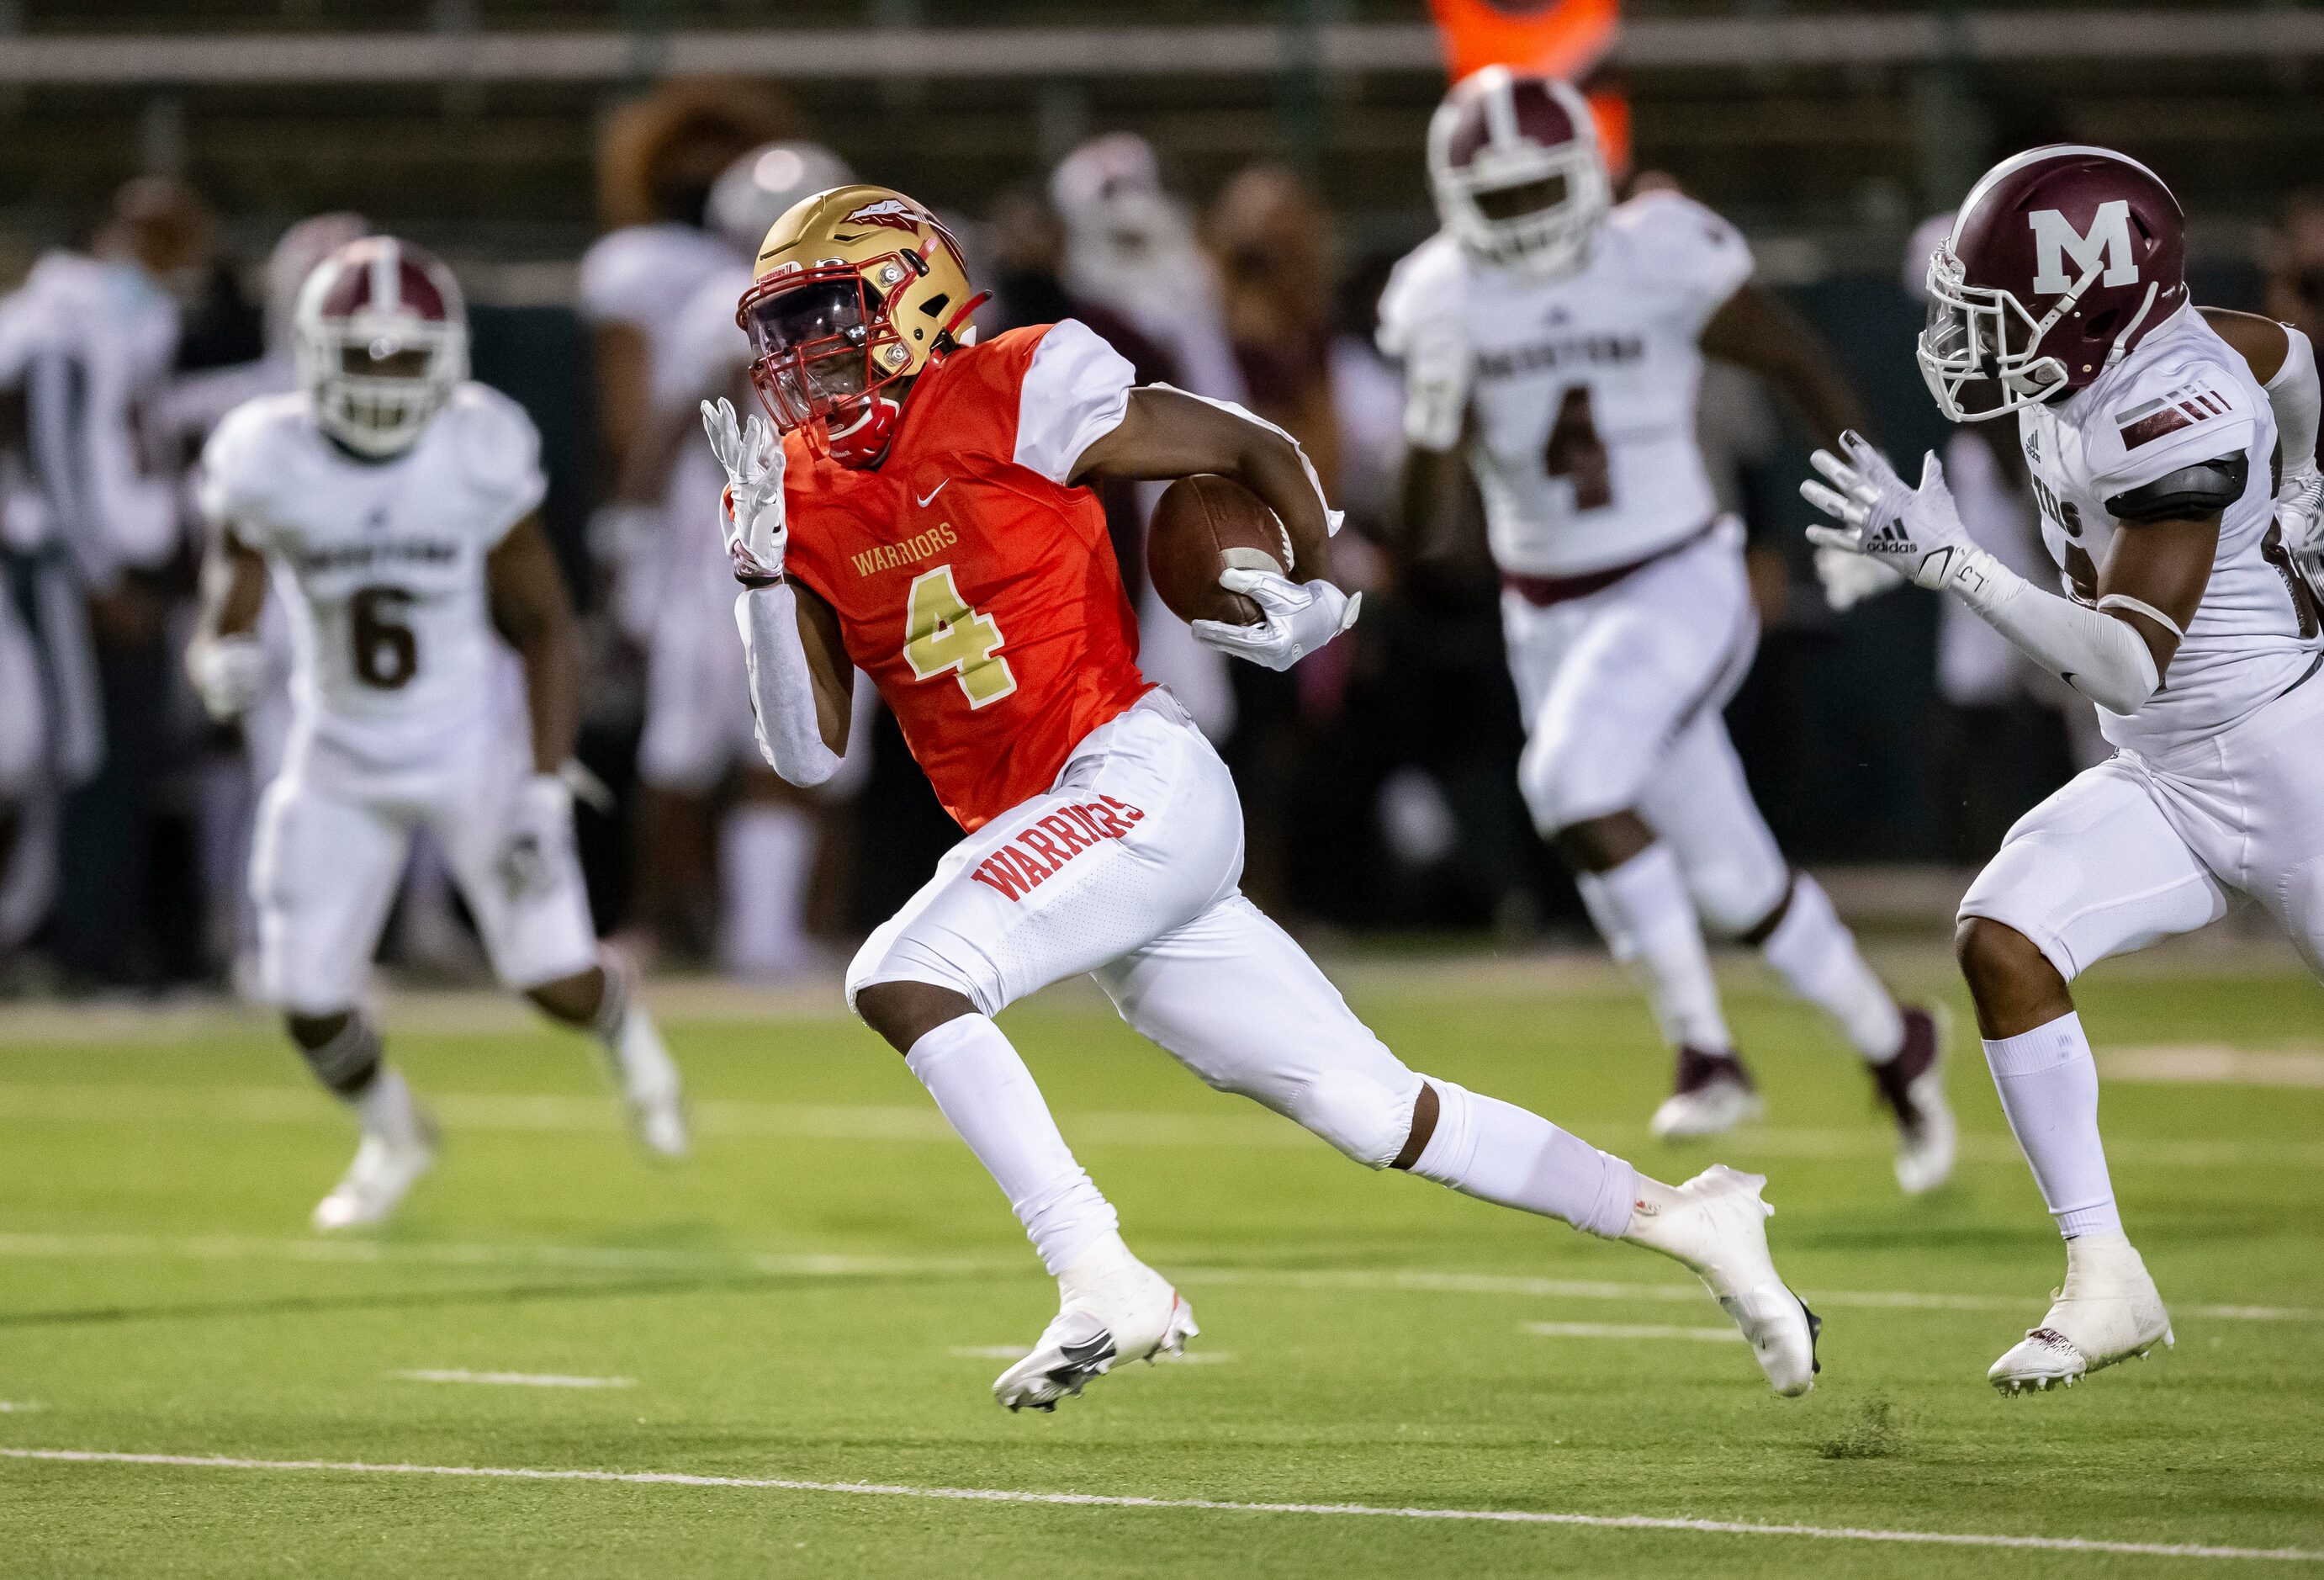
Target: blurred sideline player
x,y
661,156
926,517
698,732
1558,340
394,504
2185,611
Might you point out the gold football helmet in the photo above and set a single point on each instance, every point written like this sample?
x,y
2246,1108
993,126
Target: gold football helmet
x,y
856,289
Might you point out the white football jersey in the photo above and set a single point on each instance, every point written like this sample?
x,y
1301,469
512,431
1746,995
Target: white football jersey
x,y
382,566
2182,398
1578,395
642,275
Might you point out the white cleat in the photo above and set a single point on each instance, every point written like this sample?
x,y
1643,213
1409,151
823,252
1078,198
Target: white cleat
x,y
2108,1311
658,1119
1912,1086
1714,1093
1718,1229
376,1182
1111,1308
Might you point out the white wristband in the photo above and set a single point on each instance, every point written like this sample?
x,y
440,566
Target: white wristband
x,y
782,688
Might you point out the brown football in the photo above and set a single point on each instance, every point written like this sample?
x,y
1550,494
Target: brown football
x,y
1204,525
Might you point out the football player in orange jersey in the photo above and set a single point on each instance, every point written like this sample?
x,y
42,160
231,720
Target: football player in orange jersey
x,y
926,518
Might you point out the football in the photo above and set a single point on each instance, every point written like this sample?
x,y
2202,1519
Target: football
x,y
1204,525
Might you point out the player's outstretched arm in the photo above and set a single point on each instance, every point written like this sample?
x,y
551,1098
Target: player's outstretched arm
x,y
1170,433
2114,649
1754,329
530,610
224,660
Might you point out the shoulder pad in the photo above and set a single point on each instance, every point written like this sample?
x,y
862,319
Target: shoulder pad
x,y
499,447
1675,242
1426,289
2204,488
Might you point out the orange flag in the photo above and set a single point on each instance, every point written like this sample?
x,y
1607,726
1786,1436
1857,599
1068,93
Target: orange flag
x,y
1558,38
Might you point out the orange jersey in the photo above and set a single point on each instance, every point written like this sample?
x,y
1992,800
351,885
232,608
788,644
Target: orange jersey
x,y
974,586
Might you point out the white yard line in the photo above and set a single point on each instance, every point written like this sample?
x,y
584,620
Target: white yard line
x,y
1717,1335
1227,1125
2215,1064
2060,1544
642,1258
515,1379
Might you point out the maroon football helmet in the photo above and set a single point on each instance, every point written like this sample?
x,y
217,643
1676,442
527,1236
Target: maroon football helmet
x,y
381,338
2060,259
1514,163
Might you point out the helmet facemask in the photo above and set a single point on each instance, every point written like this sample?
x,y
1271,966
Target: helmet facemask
x,y
1980,336
1533,213
377,372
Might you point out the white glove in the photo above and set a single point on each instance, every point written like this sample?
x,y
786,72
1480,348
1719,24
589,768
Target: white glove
x,y
2300,511
1298,618
229,674
540,839
1849,578
751,513
1916,533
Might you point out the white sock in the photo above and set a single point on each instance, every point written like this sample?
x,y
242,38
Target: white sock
x,y
628,1034
988,1095
2049,1087
387,1109
1817,955
766,853
1647,918
1499,1152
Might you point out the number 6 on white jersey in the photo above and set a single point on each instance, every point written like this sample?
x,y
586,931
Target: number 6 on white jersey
x,y
942,634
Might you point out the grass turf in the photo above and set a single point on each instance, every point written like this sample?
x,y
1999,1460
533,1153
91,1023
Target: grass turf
x,y
794,1303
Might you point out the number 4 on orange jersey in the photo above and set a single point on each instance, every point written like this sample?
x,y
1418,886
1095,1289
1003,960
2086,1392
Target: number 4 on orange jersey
x,y
942,634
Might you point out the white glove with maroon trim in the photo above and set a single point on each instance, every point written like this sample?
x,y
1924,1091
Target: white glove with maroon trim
x,y
751,515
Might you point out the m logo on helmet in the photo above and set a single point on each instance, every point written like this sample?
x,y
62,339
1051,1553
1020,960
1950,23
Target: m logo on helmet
x,y
2055,240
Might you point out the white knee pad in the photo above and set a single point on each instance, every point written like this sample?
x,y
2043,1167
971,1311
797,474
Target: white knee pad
x,y
1736,889
1565,781
1357,1112
890,955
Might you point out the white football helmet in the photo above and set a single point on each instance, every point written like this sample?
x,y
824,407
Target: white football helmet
x,y
381,338
759,188
1514,165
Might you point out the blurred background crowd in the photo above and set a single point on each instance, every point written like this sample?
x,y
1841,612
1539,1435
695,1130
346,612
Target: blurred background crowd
x,y
1218,189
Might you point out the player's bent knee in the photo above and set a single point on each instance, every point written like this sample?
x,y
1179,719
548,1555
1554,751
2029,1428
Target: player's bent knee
x,y
1364,1117
904,1012
2014,983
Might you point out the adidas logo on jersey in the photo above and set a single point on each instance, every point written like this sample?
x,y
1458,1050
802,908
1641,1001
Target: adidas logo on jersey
x,y
1030,858
2183,408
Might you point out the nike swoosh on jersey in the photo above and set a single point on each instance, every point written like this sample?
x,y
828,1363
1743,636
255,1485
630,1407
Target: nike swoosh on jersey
x,y
932,493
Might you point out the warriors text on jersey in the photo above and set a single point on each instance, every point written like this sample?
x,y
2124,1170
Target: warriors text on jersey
x,y
2183,397
1578,393
974,585
381,564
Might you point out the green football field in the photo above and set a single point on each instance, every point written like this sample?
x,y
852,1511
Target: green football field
x,y
775,1359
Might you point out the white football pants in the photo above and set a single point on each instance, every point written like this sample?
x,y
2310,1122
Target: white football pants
x,y
2149,844
327,855
1128,870
1622,693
